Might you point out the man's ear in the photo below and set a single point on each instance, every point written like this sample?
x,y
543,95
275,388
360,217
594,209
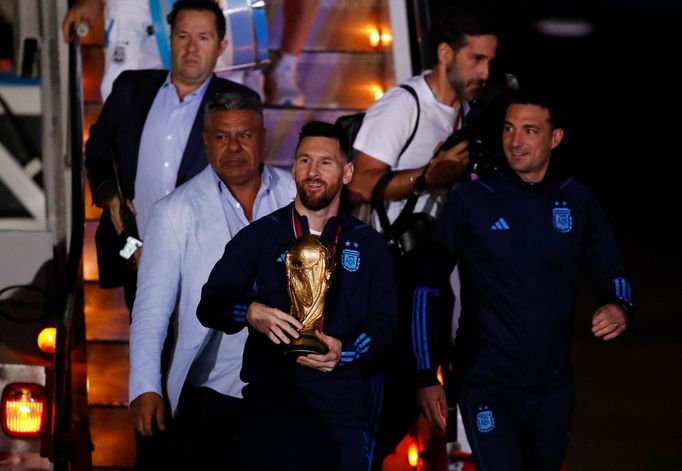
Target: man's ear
x,y
445,53
222,46
557,136
348,173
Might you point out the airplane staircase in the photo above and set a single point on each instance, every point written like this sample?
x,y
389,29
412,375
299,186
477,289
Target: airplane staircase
x,y
340,72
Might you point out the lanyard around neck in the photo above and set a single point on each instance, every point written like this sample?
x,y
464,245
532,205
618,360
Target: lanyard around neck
x,y
298,229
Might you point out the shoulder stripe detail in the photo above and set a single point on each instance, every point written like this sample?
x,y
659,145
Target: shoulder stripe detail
x,y
486,186
568,180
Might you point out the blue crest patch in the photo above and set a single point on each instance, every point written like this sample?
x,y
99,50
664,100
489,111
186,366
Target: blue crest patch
x,y
350,260
563,222
485,421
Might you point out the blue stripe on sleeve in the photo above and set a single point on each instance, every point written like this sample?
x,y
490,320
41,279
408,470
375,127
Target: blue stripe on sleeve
x,y
362,344
623,290
420,344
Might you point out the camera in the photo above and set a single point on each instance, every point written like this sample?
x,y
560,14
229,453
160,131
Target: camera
x,y
483,124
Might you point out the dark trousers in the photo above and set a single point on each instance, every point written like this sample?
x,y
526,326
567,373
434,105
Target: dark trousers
x,y
152,452
282,438
206,430
399,410
515,430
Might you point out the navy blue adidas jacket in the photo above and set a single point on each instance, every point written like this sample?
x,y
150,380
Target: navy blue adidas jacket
x,y
360,311
520,247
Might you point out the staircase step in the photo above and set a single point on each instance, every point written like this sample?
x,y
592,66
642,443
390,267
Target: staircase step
x,y
282,127
282,124
90,272
113,436
327,79
106,315
108,374
340,25
92,212
340,80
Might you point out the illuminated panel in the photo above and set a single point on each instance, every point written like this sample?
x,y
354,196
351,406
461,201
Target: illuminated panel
x,y
23,410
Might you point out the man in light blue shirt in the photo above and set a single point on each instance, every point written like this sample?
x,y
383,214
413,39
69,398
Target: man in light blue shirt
x,y
186,235
162,146
151,125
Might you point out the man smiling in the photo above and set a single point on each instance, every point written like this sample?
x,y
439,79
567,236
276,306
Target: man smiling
x,y
306,412
521,237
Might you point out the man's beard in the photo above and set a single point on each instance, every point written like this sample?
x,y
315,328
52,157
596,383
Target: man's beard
x,y
319,201
463,88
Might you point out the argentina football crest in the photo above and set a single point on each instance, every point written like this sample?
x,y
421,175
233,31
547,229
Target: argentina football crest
x,y
350,258
561,217
119,54
485,422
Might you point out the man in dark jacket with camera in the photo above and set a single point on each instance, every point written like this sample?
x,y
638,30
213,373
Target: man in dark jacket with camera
x,y
465,43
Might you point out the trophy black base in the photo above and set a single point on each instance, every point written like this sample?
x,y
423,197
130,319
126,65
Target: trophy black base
x,y
304,345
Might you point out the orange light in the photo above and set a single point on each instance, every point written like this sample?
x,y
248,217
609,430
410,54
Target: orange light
x,y
439,375
23,410
47,340
413,455
379,37
377,91
374,38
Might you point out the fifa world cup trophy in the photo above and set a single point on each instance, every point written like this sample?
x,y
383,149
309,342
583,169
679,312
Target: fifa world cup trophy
x,y
310,264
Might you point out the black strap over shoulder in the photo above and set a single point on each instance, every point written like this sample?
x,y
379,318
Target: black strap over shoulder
x,y
416,123
378,192
378,204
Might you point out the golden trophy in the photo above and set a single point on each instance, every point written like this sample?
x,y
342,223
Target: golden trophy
x,y
310,264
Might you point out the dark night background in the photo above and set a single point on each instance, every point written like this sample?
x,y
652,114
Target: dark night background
x,y
621,96
621,92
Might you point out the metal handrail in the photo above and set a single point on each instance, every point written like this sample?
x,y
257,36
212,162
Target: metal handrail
x,y
68,291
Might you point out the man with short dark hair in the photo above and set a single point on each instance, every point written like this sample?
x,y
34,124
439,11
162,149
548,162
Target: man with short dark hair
x,y
521,236
402,137
465,44
151,127
188,230
306,412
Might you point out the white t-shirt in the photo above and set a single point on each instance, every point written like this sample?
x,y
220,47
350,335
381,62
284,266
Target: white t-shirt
x,y
388,125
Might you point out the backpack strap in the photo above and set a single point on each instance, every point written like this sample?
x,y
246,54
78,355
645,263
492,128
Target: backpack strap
x,y
376,200
416,124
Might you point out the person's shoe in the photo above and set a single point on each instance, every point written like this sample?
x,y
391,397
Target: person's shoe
x,y
281,83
